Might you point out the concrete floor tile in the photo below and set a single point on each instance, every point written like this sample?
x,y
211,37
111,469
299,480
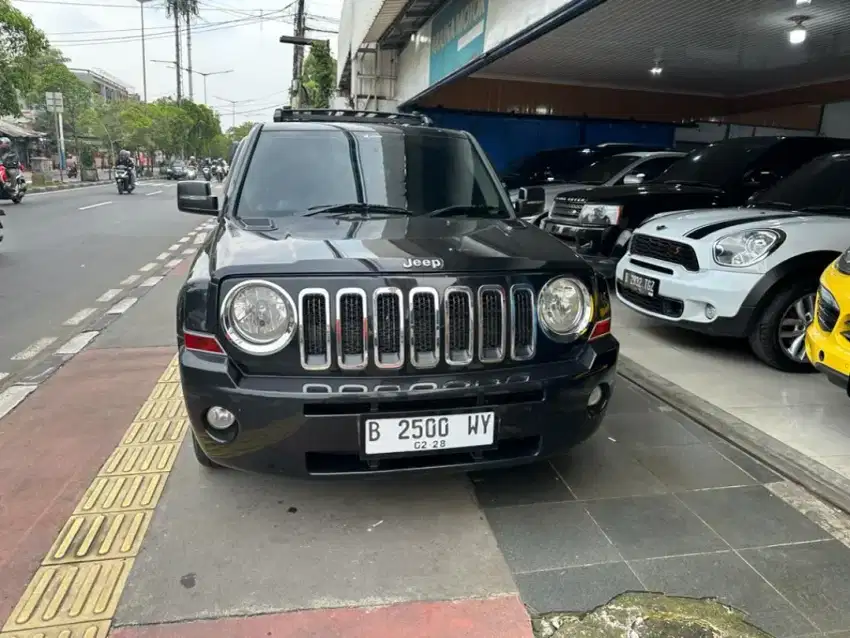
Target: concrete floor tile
x,y
724,576
759,518
553,536
813,577
576,589
226,543
648,429
691,467
653,526
525,485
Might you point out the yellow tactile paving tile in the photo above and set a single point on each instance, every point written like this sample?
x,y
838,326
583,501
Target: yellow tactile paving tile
x,y
75,592
82,630
100,537
122,493
60,595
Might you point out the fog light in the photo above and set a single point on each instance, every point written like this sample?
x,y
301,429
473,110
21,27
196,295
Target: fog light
x,y
219,418
596,396
710,312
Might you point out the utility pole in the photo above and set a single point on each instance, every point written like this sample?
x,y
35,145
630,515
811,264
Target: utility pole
x,y
144,56
298,53
233,104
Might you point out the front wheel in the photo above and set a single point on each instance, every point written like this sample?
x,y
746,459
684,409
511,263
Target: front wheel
x,y
779,335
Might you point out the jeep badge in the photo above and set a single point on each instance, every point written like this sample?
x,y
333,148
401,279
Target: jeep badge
x,y
434,264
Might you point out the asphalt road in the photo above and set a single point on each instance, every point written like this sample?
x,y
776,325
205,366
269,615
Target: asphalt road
x,y
64,251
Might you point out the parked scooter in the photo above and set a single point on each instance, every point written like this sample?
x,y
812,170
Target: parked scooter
x,y
13,184
122,180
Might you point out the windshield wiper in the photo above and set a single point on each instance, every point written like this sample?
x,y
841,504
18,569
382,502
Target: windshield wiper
x,y
357,207
826,208
465,209
772,204
690,182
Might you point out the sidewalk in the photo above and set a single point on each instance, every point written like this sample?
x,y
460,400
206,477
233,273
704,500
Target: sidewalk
x,y
66,183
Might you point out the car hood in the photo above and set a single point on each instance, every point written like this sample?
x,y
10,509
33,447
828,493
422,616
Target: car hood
x,y
630,192
711,224
395,245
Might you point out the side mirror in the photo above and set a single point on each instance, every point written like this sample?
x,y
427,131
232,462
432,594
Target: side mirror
x,y
532,195
196,197
634,178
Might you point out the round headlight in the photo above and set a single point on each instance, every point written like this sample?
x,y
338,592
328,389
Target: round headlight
x,y
259,317
564,307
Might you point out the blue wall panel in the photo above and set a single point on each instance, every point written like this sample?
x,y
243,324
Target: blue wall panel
x,y
597,132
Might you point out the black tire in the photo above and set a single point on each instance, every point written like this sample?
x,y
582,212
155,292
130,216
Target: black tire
x,y
764,337
202,458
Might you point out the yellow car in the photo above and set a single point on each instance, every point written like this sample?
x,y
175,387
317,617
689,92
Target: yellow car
x,y
828,336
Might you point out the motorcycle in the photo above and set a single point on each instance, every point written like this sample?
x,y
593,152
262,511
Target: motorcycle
x,y
207,173
122,180
72,172
219,173
13,184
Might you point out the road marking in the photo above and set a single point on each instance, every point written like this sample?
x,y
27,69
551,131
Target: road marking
x,y
151,281
122,306
34,349
77,342
153,193
131,280
200,238
190,251
94,205
76,589
173,263
80,317
174,247
3,375
162,256
109,295
11,397
148,267
183,240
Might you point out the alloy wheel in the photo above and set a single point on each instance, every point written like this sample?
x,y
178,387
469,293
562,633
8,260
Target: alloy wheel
x,y
792,327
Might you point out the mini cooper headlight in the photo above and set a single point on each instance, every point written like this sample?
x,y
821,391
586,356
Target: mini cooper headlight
x,y
564,307
600,214
746,247
259,317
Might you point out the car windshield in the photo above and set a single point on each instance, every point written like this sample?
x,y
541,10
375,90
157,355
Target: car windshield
x,y
405,171
178,164
718,164
822,184
603,170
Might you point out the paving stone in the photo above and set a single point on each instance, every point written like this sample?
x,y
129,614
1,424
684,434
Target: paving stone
x,y
752,517
652,526
648,429
526,485
692,467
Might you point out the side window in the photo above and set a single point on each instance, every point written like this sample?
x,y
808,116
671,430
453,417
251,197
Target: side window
x,y
788,156
654,167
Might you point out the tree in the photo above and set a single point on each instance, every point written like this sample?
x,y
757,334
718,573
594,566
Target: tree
x,y
172,8
319,76
20,45
236,133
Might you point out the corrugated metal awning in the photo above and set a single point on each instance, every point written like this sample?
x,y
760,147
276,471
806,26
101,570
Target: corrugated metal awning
x,y
10,129
397,20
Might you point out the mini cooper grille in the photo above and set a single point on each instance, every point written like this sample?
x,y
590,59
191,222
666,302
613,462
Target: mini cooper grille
x,y
828,314
665,250
454,327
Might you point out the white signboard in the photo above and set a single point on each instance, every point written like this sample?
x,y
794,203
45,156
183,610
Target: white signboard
x,y
55,102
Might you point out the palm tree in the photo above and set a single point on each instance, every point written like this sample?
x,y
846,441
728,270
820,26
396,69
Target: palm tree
x,y
173,9
189,9
179,9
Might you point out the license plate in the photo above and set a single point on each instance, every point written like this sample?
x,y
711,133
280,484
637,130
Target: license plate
x,y
645,286
399,435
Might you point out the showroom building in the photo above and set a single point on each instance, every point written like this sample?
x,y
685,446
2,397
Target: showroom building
x,y
526,76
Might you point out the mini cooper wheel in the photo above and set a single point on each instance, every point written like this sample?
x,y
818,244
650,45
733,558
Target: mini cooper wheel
x,y
201,457
779,336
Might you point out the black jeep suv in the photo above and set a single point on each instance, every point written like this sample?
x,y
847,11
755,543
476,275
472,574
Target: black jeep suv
x,y
599,221
369,303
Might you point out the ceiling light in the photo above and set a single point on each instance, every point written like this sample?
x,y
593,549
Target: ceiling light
x,y
798,34
656,70
803,3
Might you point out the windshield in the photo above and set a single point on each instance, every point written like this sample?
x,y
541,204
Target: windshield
x,y
420,171
178,164
718,164
824,182
604,170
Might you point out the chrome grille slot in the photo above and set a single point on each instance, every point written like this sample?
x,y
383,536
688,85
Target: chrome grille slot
x,y
424,322
352,323
491,324
523,323
458,324
315,329
388,324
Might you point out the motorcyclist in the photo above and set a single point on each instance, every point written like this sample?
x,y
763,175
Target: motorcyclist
x,y
125,159
193,162
8,160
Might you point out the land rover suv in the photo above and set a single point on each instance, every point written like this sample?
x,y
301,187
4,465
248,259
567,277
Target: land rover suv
x,y
369,303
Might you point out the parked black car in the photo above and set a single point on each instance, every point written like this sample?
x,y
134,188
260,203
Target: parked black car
x,y
370,304
559,164
176,170
599,222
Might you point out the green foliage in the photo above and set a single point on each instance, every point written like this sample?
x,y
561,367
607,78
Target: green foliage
x,y
87,156
319,76
236,133
20,45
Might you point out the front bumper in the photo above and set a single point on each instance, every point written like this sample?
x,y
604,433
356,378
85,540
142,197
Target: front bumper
x,y
685,297
285,427
830,351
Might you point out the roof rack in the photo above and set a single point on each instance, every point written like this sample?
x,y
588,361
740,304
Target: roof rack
x,y
288,114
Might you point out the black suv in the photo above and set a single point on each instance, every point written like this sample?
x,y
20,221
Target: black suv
x,y
369,303
598,222
559,164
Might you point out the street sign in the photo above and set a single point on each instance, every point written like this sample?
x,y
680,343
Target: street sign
x,y
55,102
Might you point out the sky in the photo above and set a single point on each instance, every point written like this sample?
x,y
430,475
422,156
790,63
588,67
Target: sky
x,y
240,36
